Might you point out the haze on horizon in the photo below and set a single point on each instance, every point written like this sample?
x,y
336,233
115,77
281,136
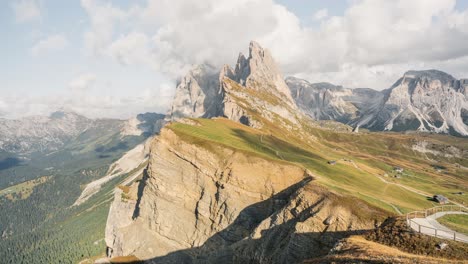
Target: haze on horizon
x,y
116,59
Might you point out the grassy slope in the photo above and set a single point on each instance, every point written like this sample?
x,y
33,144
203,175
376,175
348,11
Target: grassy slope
x,y
372,155
24,189
455,222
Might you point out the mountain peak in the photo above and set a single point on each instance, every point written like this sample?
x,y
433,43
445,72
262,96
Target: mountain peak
x,y
255,50
261,68
61,114
431,74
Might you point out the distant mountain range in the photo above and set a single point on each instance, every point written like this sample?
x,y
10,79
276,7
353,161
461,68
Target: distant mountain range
x,y
50,133
430,101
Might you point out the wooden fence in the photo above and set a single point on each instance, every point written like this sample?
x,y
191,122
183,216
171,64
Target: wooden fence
x,y
431,230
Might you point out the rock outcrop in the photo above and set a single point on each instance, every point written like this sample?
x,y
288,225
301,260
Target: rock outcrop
x,y
218,205
254,90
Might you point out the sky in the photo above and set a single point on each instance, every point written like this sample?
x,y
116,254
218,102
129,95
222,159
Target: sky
x,y
119,58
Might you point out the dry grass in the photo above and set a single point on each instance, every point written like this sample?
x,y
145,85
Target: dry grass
x,y
357,249
394,232
24,189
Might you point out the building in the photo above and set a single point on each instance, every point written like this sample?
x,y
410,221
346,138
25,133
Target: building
x,y
440,199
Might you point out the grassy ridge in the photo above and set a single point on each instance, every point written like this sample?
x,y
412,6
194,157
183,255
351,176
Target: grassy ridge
x,y
361,161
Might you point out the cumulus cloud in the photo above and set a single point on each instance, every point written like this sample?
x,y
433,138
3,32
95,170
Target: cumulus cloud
x,y
371,45
50,43
82,82
26,10
321,14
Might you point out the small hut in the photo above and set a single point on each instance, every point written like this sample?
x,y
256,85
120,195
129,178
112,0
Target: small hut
x,y
332,162
398,169
440,199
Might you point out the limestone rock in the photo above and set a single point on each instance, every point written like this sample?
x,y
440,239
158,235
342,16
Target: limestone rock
x,y
212,205
255,85
430,101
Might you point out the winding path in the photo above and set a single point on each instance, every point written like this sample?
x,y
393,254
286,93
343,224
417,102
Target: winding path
x,y
429,226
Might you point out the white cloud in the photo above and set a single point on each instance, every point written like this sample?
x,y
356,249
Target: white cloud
x,y
26,10
83,82
131,49
103,17
371,45
50,43
87,103
321,14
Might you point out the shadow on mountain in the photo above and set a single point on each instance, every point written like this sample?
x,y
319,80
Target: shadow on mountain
x,y
278,244
141,187
120,146
148,122
9,162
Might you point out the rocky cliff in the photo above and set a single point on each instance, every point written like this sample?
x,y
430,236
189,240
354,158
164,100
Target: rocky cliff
x,y
253,90
205,203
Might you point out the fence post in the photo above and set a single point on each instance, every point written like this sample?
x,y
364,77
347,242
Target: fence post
x,y
419,227
454,236
435,232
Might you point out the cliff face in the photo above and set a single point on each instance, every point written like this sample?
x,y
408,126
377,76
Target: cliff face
x,y
212,203
325,101
254,90
426,101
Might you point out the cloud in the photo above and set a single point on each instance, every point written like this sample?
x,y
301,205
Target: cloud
x,y
26,10
131,49
370,45
321,14
50,43
103,18
87,103
83,82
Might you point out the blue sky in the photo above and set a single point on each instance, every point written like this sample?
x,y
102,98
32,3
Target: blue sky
x,y
118,58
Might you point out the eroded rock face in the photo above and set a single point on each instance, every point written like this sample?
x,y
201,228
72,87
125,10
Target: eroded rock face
x,y
197,94
425,101
200,205
259,87
325,101
421,100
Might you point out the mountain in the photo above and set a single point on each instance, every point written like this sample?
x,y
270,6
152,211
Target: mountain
x,y
42,133
57,175
425,101
421,100
240,174
50,133
254,90
325,101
